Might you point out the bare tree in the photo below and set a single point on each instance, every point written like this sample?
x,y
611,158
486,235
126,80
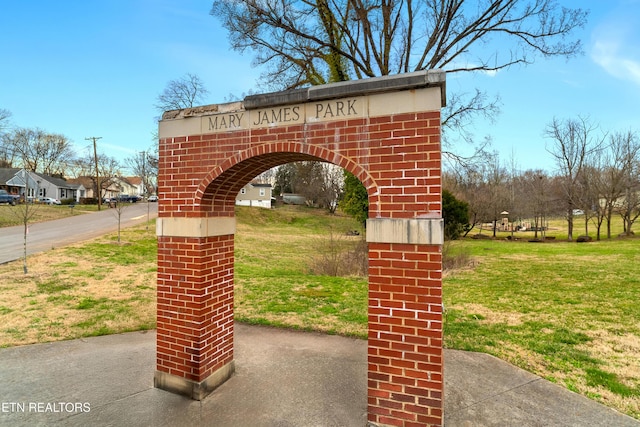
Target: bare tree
x,y
25,211
320,183
588,195
6,152
185,92
496,189
484,187
608,178
573,141
268,176
5,115
311,42
145,165
333,186
628,205
465,184
40,151
536,188
317,41
300,43
118,210
108,170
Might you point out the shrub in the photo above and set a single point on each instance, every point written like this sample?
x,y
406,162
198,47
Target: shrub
x,y
341,255
456,216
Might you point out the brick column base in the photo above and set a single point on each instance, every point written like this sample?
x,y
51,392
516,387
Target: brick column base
x,y
194,390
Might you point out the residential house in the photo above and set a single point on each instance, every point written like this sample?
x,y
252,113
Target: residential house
x,y
6,183
32,186
112,187
131,185
59,188
87,183
255,194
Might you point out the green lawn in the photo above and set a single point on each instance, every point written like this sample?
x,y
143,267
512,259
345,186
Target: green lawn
x,y
566,311
275,251
14,215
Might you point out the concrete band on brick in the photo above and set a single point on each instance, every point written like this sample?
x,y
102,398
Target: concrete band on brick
x,y
192,389
376,97
419,231
195,227
397,82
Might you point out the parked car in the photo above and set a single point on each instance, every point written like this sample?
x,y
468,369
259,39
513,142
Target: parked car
x,y
127,198
50,201
7,198
153,198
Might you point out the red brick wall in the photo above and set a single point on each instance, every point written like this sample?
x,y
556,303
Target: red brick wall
x,y
405,334
195,305
397,158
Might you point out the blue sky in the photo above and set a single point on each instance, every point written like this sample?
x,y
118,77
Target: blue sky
x,y
95,68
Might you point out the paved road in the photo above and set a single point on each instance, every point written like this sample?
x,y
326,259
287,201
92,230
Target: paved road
x,y
75,228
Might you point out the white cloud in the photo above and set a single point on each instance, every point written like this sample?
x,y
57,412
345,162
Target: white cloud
x,y
617,63
616,43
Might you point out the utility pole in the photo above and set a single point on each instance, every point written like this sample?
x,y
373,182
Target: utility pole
x,y
144,183
95,157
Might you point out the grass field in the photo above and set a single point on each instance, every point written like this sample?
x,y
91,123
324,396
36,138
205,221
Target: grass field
x,y
568,312
13,215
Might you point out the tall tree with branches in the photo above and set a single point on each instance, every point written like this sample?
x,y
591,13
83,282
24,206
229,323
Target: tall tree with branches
x,y
628,206
5,115
145,165
40,151
187,91
301,43
108,171
574,141
7,154
184,92
311,42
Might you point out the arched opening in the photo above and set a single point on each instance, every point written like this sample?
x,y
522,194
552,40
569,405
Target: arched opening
x,y
272,280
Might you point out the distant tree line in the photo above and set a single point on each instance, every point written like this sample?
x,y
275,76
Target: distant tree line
x,y
597,177
54,154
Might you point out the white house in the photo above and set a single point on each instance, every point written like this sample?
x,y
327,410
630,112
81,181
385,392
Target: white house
x,y
254,194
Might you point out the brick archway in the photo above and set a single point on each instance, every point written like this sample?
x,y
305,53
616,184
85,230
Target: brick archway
x,y
386,131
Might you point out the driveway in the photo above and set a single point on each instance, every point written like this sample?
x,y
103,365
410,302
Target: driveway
x,y
75,228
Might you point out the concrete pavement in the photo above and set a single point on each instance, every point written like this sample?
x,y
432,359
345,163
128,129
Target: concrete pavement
x,y
283,378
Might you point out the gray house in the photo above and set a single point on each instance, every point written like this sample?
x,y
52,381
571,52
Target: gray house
x,y
59,188
254,194
32,186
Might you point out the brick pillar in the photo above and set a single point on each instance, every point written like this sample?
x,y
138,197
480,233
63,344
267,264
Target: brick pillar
x,y
405,357
195,304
